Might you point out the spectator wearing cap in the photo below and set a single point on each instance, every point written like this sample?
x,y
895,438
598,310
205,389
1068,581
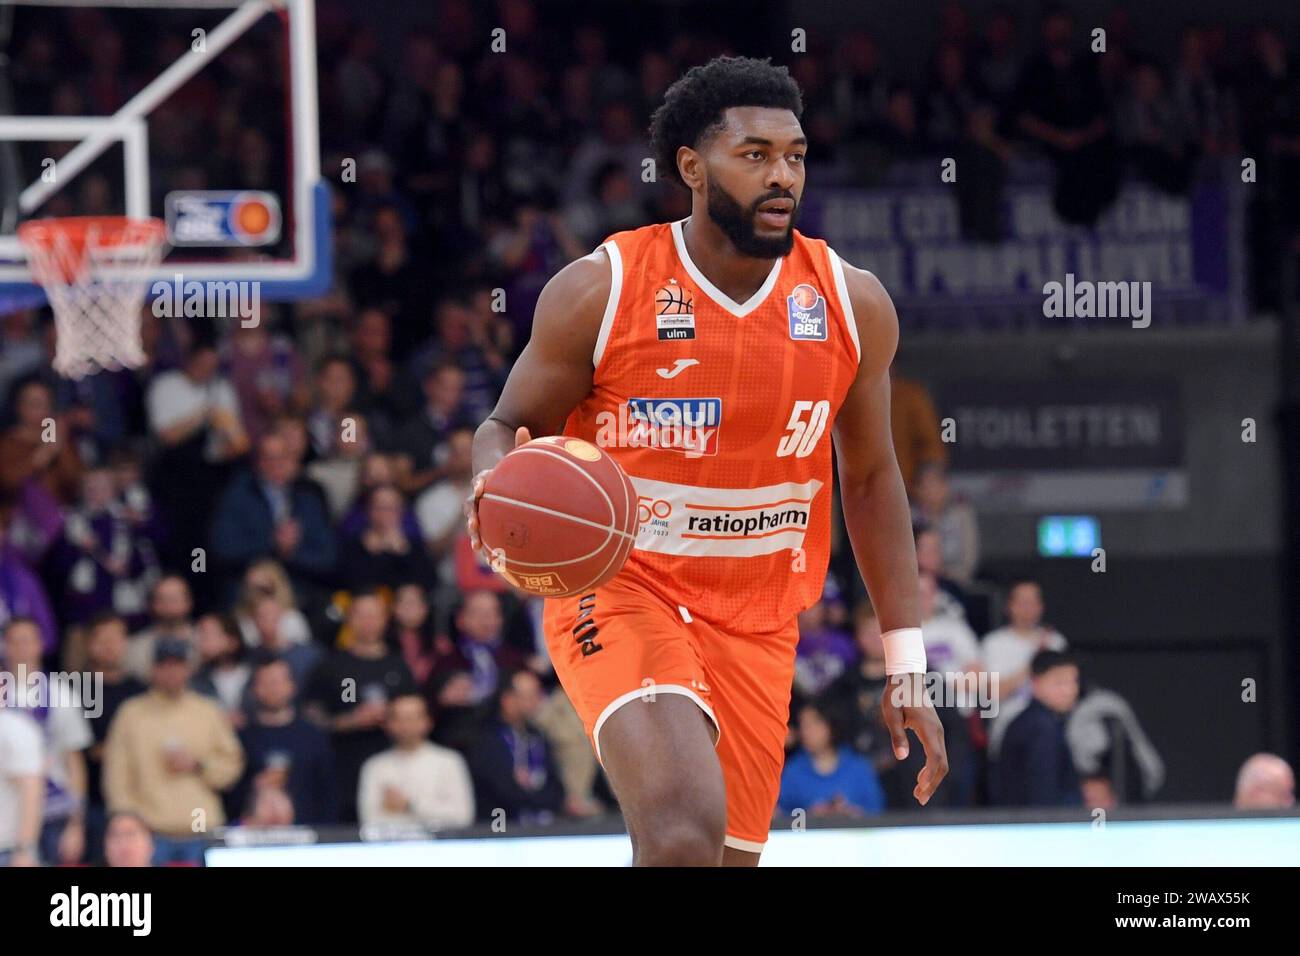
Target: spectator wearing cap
x,y
170,754
283,750
127,841
415,781
1034,766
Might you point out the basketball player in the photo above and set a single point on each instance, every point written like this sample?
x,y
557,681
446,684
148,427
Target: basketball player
x,y
716,359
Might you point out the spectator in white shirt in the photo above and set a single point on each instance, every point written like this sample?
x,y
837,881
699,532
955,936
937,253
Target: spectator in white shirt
x,y
22,787
415,782
66,735
182,403
1008,650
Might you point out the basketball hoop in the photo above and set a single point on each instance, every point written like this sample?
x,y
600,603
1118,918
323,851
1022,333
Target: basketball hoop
x,y
95,272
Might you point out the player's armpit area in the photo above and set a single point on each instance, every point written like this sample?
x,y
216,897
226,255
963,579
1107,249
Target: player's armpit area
x,y
554,371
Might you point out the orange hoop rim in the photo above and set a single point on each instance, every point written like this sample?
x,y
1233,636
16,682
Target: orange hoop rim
x,y
107,230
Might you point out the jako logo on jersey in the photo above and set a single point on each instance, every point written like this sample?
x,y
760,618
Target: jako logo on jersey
x,y
807,311
688,425
679,366
674,312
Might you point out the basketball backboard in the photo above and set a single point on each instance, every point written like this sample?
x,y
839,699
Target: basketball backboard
x,y
96,126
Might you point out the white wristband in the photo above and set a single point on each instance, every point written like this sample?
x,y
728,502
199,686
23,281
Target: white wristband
x,y
904,651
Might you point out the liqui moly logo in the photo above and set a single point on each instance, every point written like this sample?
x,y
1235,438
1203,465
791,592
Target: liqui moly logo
x,y
686,425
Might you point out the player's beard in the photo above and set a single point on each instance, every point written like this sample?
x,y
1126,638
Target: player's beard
x,y
737,224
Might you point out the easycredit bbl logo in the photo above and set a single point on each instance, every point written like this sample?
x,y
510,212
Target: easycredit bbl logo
x,y
686,425
806,309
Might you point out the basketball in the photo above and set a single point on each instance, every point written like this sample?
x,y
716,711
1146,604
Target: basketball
x,y
558,517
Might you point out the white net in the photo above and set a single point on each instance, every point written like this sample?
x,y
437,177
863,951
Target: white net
x,y
95,272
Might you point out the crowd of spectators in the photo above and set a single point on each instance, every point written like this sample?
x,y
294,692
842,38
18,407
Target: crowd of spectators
x,y
256,537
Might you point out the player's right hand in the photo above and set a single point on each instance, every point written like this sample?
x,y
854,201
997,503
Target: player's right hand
x,y
476,492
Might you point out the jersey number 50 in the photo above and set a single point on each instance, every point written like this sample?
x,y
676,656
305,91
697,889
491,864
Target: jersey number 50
x,y
802,436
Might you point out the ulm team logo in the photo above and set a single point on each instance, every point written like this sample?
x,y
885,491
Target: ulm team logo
x,y
686,425
674,312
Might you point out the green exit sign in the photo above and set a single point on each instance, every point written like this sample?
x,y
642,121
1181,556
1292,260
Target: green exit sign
x,y
1068,536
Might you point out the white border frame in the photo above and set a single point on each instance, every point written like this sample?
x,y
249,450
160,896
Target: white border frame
x,y
308,271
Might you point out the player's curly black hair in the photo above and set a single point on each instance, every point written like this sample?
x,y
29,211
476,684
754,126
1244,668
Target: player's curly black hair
x,y
693,106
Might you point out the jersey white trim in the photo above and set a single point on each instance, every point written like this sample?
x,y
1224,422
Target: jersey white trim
x,y
749,846
611,306
712,291
842,293
646,691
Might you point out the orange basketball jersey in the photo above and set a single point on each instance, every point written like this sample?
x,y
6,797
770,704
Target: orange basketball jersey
x,y
720,412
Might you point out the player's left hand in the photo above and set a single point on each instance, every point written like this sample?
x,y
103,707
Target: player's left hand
x,y
905,706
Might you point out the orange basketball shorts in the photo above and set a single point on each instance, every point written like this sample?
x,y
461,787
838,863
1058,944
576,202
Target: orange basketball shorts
x,y
623,641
